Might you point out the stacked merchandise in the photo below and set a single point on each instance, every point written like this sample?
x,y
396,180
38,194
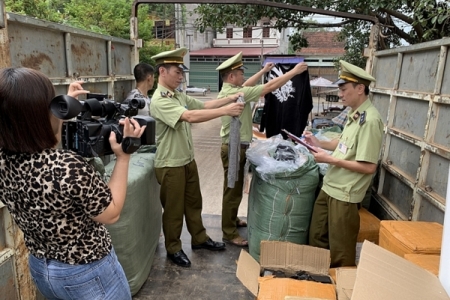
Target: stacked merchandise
x,y
282,193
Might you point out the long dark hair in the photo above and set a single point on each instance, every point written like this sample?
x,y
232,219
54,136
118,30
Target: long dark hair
x,y
25,124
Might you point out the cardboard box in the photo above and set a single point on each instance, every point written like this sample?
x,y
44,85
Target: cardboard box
x,y
427,261
332,271
369,227
406,237
383,275
289,258
345,281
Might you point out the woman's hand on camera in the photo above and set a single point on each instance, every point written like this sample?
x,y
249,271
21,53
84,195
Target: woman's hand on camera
x,y
131,128
75,89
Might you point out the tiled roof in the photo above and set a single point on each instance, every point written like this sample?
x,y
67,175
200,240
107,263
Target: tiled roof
x,y
322,43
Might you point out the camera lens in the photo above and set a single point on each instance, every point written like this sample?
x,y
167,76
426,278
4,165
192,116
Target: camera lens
x,y
137,103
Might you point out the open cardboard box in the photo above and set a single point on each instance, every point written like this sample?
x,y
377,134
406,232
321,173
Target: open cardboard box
x,y
289,258
383,275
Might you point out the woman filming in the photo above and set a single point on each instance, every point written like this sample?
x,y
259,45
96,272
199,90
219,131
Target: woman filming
x,y
55,197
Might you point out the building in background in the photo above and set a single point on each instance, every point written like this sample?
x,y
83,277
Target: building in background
x,y
210,49
323,49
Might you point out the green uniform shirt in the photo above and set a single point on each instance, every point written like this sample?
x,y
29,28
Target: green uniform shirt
x,y
360,141
174,138
251,94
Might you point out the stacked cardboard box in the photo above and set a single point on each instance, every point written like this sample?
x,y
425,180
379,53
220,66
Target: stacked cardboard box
x,y
427,261
406,237
289,258
369,227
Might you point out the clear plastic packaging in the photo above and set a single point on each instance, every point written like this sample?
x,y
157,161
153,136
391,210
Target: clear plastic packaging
x,y
274,156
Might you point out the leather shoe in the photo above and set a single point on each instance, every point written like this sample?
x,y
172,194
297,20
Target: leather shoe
x,y
210,245
180,258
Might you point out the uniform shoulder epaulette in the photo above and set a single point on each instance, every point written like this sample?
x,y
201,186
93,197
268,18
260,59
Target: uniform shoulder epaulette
x,y
166,94
362,119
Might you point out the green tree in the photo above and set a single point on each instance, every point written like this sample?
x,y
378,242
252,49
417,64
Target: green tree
x,y
41,9
414,21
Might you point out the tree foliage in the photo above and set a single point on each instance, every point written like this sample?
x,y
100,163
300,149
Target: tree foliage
x,y
413,21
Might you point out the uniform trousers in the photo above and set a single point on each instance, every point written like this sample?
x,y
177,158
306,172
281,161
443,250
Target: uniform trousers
x,y
181,197
232,197
335,226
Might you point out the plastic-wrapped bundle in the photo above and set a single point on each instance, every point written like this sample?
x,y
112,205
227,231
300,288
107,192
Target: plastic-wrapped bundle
x,y
280,203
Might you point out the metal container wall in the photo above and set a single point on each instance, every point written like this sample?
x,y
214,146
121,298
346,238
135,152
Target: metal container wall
x,y
412,93
64,54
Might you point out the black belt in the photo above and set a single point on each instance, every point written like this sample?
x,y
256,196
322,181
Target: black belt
x,y
243,146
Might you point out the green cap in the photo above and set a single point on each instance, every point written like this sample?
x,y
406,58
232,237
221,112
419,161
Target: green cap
x,y
171,57
352,73
233,63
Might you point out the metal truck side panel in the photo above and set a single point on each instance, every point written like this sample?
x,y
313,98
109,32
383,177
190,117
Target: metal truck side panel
x,y
412,94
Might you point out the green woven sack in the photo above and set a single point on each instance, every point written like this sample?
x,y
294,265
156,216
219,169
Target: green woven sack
x,y
280,209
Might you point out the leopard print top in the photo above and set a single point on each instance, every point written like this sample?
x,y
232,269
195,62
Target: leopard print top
x,y
52,196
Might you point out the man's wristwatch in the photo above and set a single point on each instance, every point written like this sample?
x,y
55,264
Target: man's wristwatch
x,y
130,144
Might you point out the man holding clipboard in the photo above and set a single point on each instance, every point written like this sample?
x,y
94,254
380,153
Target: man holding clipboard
x,y
335,218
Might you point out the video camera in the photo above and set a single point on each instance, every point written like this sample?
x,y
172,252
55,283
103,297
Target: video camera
x,y
96,117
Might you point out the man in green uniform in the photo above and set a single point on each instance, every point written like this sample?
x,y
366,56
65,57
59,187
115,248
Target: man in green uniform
x,y
232,73
335,218
175,167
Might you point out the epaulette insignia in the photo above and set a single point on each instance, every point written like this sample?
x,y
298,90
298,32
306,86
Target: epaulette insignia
x,y
363,118
169,94
356,115
164,94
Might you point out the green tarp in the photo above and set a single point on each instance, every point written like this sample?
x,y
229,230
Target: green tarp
x,y
136,235
280,209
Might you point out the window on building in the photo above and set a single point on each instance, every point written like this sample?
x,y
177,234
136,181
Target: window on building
x,y
229,33
266,30
161,30
247,32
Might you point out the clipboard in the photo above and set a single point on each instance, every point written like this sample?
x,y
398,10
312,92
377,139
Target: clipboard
x,y
298,140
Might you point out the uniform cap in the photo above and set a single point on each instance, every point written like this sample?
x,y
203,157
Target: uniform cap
x,y
171,57
233,63
352,73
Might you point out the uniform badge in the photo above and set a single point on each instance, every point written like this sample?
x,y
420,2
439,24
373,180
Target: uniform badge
x,y
363,118
356,115
163,94
169,94
342,148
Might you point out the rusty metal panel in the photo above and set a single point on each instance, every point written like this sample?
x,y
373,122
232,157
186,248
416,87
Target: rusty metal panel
x,y
89,56
411,93
121,59
411,116
65,53
37,48
381,102
383,73
7,285
437,175
446,76
399,195
121,89
430,213
404,156
442,134
418,70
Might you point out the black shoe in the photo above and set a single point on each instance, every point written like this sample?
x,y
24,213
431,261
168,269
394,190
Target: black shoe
x,y
180,259
210,245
